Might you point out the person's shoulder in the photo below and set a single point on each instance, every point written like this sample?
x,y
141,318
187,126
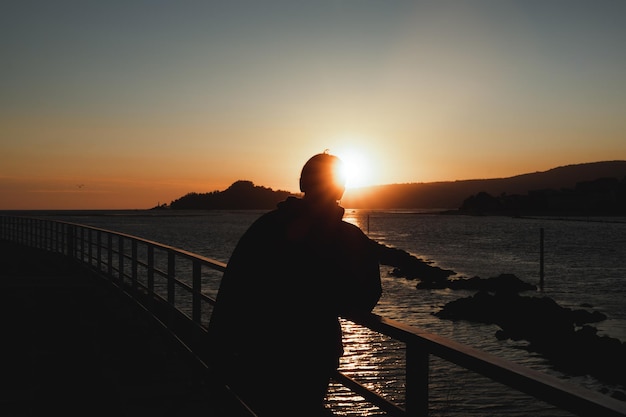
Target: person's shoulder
x,y
351,229
265,218
354,240
284,210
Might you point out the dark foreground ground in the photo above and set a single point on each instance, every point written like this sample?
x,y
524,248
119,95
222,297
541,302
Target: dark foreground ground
x,y
71,345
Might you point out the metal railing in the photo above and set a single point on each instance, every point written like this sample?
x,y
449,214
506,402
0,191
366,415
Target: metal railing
x,y
150,270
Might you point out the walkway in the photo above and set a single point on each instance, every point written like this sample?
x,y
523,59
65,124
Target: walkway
x,y
71,345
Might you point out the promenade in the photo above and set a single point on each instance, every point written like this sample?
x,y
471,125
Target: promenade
x,y
72,345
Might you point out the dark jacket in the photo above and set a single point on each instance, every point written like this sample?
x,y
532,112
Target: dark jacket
x,y
292,274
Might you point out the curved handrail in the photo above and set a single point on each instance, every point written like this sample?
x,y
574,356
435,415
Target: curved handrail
x,y
118,257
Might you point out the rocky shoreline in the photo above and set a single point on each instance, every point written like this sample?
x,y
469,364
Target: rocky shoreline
x,y
562,335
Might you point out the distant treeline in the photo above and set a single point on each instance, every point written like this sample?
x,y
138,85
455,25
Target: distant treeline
x,y
451,195
603,196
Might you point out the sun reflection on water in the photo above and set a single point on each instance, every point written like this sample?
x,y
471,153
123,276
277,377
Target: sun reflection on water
x,y
357,218
373,360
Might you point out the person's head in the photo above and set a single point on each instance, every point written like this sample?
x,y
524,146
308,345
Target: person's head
x,y
323,178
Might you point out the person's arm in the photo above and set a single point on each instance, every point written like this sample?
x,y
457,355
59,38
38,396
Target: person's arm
x,y
362,288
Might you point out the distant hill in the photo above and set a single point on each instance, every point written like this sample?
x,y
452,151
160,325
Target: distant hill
x,y
452,194
241,195
561,184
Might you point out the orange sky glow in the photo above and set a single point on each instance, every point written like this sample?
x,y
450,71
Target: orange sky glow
x,y
117,105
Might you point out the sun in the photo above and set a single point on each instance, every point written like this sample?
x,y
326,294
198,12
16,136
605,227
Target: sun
x,y
357,168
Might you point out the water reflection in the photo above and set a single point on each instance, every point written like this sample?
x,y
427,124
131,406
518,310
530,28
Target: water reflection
x,y
376,362
379,363
358,218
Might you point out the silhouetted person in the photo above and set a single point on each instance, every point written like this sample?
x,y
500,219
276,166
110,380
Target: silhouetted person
x,y
293,273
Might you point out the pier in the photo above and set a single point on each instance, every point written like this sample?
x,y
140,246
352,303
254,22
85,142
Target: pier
x,y
94,324
73,345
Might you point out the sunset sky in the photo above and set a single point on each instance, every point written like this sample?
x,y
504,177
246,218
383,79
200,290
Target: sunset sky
x,y
128,104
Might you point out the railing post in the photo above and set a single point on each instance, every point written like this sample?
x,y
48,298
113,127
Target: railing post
x,y
110,256
19,230
56,237
42,234
80,244
50,236
541,278
29,232
89,247
13,230
150,269
120,260
43,224
171,274
99,250
134,264
14,235
69,242
33,233
416,381
36,234
197,288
